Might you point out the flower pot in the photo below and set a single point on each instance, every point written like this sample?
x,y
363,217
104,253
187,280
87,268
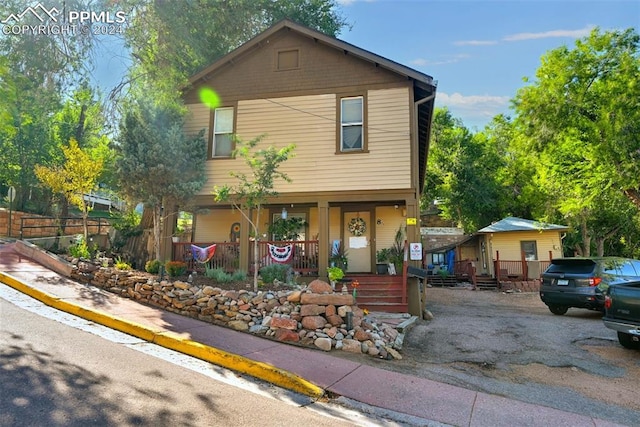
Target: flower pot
x,y
382,268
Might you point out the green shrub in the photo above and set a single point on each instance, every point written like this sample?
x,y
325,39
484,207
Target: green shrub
x,y
153,266
239,276
120,264
175,268
80,249
274,271
217,274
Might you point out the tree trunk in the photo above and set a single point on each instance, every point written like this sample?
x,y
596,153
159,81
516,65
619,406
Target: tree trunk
x,y
600,246
586,238
157,229
633,194
136,247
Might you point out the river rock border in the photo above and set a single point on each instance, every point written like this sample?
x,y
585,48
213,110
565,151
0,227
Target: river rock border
x,y
311,316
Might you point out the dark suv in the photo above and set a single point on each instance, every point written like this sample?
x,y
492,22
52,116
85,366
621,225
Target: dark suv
x,y
582,282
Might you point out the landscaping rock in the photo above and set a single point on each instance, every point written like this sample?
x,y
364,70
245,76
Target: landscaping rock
x,y
314,316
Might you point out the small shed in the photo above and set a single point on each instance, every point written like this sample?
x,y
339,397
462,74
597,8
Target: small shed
x,y
520,247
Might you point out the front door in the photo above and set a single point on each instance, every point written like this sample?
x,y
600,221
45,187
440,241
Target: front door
x,y
357,232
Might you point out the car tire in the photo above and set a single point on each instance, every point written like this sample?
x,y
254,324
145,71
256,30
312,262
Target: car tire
x,y
558,310
626,340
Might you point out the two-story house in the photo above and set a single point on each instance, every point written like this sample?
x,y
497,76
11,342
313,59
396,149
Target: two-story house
x,y
360,123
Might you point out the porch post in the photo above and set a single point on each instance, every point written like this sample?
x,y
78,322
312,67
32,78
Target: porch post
x,y
413,231
323,238
245,229
525,272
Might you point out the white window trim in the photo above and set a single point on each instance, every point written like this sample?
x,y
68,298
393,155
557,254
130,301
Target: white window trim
x,y
230,132
349,124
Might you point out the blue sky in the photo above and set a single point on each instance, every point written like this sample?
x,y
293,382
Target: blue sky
x,y
478,51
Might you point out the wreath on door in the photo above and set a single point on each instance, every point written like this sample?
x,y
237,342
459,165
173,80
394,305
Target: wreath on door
x,y
357,226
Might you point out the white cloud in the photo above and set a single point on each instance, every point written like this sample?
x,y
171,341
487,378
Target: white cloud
x,y
473,110
576,34
475,42
451,59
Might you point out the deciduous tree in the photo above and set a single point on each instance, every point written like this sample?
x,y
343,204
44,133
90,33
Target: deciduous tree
x,y
581,115
157,161
254,189
75,178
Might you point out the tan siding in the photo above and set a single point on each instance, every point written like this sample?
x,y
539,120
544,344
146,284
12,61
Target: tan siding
x,y
390,220
197,119
334,225
309,123
508,244
215,226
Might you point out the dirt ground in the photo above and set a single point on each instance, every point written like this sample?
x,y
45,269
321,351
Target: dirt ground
x,y
510,344
613,390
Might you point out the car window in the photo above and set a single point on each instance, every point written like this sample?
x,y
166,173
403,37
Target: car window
x,y
636,265
627,269
571,268
612,266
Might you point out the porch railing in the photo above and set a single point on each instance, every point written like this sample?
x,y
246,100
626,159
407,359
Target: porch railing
x,y
227,256
303,261
465,270
510,269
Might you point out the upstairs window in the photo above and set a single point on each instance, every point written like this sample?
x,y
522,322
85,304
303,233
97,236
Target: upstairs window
x,y
351,124
222,132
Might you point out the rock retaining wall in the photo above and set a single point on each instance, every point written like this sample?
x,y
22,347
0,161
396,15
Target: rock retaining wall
x,y
313,316
521,286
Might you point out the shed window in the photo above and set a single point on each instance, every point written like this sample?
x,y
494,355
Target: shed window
x,y
530,250
438,258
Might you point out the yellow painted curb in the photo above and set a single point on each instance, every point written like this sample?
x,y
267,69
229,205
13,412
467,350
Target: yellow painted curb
x,y
175,342
238,363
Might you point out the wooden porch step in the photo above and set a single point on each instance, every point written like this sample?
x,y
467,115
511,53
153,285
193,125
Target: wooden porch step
x,y
437,280
486,282
379,292
385,307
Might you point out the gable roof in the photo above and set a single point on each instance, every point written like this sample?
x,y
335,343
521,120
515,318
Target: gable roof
x,y
519,224
347,48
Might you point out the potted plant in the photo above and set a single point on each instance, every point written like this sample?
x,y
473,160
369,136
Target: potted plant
x,y
396,252
383,257
335,274
339,259
287,229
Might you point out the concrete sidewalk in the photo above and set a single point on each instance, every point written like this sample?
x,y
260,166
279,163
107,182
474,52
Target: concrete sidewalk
x,y
314,373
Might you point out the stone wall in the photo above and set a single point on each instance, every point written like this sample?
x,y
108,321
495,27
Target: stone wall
x,y
521,286
313,316
41,226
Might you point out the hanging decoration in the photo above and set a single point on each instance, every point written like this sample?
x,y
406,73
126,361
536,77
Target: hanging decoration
x,y
280,253
234,234
203,255
357,226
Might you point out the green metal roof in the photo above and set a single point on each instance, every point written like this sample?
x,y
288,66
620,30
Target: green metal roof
x,y
519,224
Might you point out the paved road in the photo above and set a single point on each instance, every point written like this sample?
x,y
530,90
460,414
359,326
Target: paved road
x,y
55,374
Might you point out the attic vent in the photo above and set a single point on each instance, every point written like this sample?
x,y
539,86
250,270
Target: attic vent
x,y
288,59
